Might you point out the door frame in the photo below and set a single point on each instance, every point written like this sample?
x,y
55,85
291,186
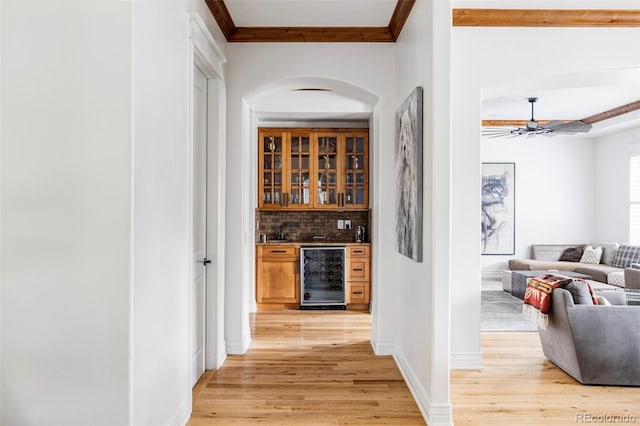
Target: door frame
x,y
206,55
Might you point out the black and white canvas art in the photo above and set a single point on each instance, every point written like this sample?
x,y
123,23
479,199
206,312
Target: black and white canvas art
x,y
408,160
498,208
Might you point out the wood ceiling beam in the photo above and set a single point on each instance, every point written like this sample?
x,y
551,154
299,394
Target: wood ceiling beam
x,y
311,35
545,18
399,17
510,123
623,109
222,16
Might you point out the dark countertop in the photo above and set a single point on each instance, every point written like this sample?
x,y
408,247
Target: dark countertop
x,y
309,243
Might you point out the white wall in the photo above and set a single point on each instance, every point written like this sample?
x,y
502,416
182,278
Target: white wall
x,y
95,224
256,69
421,289
66,171
162,81
612,183
555,191
490,57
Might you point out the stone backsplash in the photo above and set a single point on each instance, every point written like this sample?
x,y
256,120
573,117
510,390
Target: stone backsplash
x,y
303,225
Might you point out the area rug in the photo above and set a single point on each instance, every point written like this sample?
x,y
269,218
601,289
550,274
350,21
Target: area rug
x,y
502,311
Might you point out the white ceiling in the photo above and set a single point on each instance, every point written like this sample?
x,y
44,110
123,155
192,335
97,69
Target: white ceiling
x,y
310,13
569,97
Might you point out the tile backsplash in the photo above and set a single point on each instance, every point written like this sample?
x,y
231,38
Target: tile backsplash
x,y
303,225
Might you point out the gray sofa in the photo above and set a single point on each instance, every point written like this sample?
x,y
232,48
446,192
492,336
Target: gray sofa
x,y
545,257
594,344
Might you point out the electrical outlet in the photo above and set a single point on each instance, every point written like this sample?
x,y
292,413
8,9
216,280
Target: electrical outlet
x,y
340,224
347,224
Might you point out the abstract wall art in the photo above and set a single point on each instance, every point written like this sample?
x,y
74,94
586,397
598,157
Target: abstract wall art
x,y
498,208
408,160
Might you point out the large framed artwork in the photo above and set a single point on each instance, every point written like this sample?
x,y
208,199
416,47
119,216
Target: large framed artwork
x,y
408,159
498,208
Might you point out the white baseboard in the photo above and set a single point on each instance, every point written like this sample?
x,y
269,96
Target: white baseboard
x,y
183,413
433,414
440,415
238,347
383,347
466,361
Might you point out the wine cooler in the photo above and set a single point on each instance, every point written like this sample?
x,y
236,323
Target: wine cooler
x,y
322,276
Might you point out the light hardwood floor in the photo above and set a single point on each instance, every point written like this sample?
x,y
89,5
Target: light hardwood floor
x,y
317,368
306,368
519,386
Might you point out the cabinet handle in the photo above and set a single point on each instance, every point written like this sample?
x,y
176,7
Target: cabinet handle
x,y
358,269
357,292
278,251
358,251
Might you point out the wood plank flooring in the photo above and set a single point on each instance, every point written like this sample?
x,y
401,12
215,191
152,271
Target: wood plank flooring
x,y
306,368
519,386
318,368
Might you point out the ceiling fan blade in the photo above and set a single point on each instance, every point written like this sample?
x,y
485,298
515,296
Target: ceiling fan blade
x,y
553,123
570,127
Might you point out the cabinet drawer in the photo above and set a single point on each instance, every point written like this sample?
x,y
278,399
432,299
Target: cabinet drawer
x,y
358,269
277,251
358,293
358,251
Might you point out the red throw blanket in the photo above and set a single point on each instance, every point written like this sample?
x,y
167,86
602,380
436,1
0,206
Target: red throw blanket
x,y
537,296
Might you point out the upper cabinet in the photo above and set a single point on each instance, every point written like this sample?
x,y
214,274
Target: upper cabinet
x,y
355,178
313,169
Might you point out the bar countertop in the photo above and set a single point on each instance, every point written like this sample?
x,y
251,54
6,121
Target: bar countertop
x,y
315,243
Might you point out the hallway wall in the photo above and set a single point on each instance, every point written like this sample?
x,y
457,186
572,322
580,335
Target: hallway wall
x,y
422,289
66,202
95,220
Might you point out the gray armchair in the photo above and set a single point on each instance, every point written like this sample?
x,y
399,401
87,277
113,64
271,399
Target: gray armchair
x,y
594,344
632,277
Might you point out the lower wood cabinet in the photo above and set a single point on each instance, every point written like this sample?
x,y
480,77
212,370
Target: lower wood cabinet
x,y
358,274
277,274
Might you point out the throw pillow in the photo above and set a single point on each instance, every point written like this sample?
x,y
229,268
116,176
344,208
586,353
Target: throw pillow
x,y
609,251
627,254
591,255
616,278
580,292
572,254
603,301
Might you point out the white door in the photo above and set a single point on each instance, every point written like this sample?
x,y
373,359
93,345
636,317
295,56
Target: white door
x,y
200,261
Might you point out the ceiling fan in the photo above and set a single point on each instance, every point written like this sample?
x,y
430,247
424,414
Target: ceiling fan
x,y
533,127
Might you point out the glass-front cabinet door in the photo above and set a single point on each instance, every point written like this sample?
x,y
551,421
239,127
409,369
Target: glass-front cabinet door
x,y
313,169
356,165
271,165
327,167
299,195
